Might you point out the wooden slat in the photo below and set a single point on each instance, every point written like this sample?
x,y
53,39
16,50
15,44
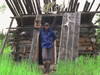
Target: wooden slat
x,y
10,7
70,38
76,36
63,38
84,40
28,6
24,1
17,6
22,7
91,5
85,5
75,4
34,44
34,7
38,7
84,44
13,7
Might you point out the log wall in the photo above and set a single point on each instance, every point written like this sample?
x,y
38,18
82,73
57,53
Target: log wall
x,y
22,37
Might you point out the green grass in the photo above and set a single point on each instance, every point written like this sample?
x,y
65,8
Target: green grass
x,y
9,67
85,66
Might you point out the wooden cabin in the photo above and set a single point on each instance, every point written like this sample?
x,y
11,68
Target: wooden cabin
x,y
79,41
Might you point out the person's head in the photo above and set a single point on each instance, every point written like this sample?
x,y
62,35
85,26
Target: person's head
x,y
46,25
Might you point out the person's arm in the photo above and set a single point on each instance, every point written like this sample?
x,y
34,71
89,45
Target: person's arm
x,y
54,36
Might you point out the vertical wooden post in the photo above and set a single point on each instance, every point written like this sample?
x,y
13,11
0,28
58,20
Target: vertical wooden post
x,y
35,40
1,52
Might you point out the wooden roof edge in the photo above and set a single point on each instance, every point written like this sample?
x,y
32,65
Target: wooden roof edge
x,y
61,14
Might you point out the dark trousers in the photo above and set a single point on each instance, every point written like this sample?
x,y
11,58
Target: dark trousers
x,y
46,54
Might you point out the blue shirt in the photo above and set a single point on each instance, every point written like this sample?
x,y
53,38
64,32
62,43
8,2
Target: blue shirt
x,y
46,38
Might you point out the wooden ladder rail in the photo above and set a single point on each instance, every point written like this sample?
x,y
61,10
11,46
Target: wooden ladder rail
x,y
1,52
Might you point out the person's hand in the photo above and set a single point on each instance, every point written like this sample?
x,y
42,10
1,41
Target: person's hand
x,y
36,20
39,25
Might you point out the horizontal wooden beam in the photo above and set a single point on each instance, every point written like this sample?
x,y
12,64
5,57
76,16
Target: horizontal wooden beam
x,y
61,14
83,26
88,26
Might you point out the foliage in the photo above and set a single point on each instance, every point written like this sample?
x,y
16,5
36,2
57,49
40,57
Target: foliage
x,y
2,35
98,30
2,8
9,67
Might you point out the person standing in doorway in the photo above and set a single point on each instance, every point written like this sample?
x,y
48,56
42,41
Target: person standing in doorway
x,y
47,36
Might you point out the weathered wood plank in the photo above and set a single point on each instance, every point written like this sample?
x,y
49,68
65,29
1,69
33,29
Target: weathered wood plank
x,y
84,40
76,37
70,36
69,40
62,38
34,45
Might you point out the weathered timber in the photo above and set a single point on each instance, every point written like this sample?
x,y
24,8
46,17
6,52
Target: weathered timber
x,y
22,7
6,37
85,5
84,40
11,8
70,38
25,42
21,46
38,6
88,26
86,52
17,7
10,39
11,43
84,44
61,49
98,7
37,52
76,36
26,6
91,5
34,44
55,52
75,4
34,7
82,48
68,49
